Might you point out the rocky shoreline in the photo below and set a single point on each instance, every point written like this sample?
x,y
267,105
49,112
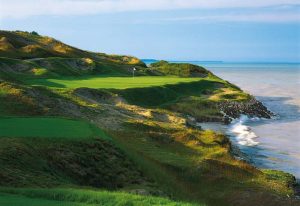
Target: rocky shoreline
x,y
251,108
233,110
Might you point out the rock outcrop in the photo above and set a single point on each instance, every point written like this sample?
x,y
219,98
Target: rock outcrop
x,y
252,108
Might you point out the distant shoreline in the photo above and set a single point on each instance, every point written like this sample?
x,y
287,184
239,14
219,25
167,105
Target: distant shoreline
x,y
225,62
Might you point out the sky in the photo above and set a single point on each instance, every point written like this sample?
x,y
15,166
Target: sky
x,y
204,30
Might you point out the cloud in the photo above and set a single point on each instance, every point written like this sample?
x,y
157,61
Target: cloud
x,y
21,8
256,17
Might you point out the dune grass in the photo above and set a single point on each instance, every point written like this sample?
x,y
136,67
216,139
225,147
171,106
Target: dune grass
x,y
179,69
48,127
101,82
80,197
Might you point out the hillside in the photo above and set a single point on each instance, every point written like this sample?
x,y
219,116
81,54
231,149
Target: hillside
x,y
24,53
25,45
76,128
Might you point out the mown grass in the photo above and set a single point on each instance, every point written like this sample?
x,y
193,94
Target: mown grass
x,y
20,200
80,197
110,82
50,127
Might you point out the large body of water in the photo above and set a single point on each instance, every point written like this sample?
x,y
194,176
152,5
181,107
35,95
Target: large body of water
x,y
275,143
272,143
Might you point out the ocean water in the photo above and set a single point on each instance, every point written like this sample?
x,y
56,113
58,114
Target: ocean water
x,y
274,143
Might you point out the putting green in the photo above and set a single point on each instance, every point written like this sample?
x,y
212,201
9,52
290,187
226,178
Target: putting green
x,y
110,82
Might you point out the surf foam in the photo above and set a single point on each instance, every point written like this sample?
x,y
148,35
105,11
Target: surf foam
x,y
243,134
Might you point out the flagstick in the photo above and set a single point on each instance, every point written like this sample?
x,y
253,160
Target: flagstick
x,y
133,72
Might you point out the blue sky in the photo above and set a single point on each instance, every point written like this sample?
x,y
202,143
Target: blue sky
x,y
228,30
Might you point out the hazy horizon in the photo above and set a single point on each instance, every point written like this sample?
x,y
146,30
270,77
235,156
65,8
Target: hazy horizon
x,y
227,61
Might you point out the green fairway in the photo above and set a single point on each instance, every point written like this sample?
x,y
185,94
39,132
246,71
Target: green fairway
x,y
111,82
79,197
47,128
19,200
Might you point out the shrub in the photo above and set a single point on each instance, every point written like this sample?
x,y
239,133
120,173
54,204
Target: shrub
x,y
34,33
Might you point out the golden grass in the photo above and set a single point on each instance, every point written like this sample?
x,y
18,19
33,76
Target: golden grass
x,y
228,93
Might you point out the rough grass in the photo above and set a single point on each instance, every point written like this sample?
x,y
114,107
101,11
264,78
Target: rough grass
x,y
176,159
198,107
178,69
48,128
49,162
228,94
110,82
15,100
56,67
80,197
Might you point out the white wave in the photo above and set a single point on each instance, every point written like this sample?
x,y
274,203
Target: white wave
x,y
243,133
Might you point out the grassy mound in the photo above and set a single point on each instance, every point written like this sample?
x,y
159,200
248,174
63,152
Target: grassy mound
x,y
24,54
46,161
15,100
80,197
182,70
58,67
25,45
157,96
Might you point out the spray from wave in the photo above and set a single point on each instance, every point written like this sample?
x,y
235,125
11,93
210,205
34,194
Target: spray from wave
x,y
243,134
